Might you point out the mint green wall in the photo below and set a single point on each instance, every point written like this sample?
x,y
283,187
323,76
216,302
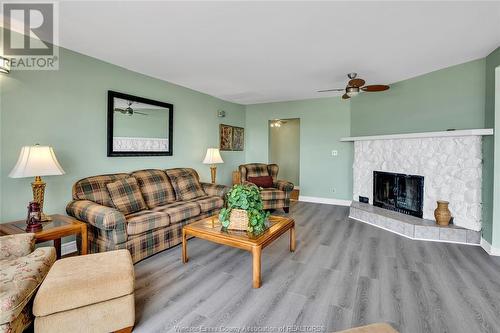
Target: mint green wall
x,y
490,154
496,189
284,149
322,123
67,110
448,98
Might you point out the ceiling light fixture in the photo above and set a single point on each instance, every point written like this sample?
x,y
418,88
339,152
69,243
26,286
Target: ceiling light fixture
x,y
352,91
276,123
4,65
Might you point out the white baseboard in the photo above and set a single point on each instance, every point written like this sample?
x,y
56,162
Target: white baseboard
x,y
492,251
69,247
328,201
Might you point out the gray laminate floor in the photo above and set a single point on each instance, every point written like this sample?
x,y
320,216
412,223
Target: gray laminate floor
x,y
344,273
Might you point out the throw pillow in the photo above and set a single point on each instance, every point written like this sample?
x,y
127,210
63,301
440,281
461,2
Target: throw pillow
x,y
126,196
155,187
185,183
262,181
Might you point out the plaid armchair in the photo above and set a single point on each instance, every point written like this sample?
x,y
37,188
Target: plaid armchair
x,y
274,197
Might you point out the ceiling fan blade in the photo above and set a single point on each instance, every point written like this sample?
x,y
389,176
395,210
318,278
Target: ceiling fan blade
x,y
142,113
119,110
339,89
375,87
345,96
356,83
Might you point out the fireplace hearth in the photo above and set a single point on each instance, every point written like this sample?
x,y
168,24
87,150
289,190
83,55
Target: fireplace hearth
x,y
398,192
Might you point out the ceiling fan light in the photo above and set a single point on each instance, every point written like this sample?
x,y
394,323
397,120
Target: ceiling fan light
x,y
352,91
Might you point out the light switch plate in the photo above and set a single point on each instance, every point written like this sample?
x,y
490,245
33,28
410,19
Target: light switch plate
x,y
335,152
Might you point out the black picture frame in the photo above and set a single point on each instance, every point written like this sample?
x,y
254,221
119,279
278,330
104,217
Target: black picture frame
x,y
111,153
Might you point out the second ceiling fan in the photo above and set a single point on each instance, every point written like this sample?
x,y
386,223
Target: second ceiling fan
x,y
356,85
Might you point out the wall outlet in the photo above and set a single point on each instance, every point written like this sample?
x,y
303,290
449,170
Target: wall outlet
x,y
335,152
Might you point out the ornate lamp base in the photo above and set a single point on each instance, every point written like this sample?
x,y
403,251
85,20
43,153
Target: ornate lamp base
x,y
213,171
38,187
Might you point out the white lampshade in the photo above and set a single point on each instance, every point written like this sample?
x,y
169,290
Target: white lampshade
x,y
213,156
36,161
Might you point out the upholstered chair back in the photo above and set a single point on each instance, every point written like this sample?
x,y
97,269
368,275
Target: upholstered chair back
x,y
258,170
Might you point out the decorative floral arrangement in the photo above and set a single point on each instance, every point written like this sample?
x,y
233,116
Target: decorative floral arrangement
x,y
247,198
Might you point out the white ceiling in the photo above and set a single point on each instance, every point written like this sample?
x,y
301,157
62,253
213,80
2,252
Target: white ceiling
x,y
254,52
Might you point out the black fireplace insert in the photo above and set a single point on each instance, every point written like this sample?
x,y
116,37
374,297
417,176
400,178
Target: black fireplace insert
x,y
399,192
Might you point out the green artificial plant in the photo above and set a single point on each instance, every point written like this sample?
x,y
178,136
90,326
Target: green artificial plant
x,y
246,197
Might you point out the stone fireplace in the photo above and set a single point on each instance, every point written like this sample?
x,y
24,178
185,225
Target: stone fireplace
x,y
408,173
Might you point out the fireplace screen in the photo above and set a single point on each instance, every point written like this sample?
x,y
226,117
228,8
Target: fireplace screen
x,y
398,192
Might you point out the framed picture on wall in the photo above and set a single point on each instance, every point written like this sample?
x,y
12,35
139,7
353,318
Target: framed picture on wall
x,y
232,138
226,137
238,138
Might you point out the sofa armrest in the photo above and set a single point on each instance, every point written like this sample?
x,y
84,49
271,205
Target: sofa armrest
x,y
283,185
215,189
15,246
99,216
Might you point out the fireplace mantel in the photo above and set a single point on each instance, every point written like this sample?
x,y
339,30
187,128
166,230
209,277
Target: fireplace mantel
x,y
455,133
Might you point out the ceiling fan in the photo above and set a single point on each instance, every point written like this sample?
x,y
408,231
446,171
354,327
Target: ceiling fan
x,y
129,111
356,85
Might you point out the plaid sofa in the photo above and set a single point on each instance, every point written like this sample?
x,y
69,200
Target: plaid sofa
x,y
150,230
274,197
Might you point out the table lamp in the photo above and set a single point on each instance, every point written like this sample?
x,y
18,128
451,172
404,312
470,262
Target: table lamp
x,y
212,158
36,161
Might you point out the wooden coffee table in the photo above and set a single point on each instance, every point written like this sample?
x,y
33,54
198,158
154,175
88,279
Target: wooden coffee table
x,y
210,229
60,226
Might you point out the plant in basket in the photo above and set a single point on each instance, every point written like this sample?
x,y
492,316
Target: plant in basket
x,y
244,210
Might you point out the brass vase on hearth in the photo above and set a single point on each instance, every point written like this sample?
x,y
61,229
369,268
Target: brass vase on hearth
x,y
442,213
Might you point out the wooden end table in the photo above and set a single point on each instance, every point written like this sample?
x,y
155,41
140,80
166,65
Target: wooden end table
x,y
60,226
210,229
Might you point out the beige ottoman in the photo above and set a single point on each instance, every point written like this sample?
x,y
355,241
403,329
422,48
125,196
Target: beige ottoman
x,y
92,293
373,328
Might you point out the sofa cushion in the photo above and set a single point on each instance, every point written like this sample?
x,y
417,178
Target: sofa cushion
x,y
179,211
209,203
155,187
83,280
94,188
185,183
126,195
20,278
145,220
272,194
262,181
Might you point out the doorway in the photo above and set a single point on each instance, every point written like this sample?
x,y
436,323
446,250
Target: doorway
x,y
284,149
